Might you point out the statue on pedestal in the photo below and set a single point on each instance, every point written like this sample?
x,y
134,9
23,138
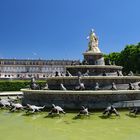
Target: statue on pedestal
x,y
131,87
93,42
34,85
113,86
97,86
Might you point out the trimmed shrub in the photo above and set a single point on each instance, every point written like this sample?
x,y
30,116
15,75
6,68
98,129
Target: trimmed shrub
x,y
16,85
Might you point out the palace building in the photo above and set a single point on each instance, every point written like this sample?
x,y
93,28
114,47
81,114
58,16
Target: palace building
x,y
24,69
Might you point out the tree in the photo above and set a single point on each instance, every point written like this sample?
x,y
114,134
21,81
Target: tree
x,y
113,57
129,58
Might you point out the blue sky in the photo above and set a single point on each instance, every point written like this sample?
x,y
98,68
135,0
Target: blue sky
x,y
57,29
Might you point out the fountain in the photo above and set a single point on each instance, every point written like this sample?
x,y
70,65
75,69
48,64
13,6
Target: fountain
x,y
92,83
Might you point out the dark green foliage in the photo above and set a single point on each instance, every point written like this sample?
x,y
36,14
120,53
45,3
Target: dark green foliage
x,y
113,57
16,85
129,58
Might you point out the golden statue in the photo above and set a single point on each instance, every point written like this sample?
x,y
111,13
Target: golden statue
x,y
93,42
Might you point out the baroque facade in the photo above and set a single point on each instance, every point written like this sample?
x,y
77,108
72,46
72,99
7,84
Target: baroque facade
x,y
23,69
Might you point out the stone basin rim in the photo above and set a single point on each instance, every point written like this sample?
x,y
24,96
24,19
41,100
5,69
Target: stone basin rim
x,y
96,77
94,66
86,92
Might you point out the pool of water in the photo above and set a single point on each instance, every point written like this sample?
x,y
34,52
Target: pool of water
x,y
19,126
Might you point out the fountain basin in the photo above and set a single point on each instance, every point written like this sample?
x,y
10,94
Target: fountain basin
x,y
75,99
94,70
105,82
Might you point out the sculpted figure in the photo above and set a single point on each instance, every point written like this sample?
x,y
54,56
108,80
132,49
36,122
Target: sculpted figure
x,y
16,106
109,110
84,62
34,108
33,84
113,86
79,74
10,99
104,73
46,87
56,110
83,111
80,85
119,73
131,87
97,86
19,97
130,73
62,87
4,103
134,110
56,73
109,62
87,73
139,86
93,42
68,73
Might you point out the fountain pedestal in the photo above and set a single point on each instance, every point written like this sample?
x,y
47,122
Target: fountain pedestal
x,y
94,58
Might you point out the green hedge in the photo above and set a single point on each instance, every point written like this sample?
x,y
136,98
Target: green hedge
x,y
17,85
